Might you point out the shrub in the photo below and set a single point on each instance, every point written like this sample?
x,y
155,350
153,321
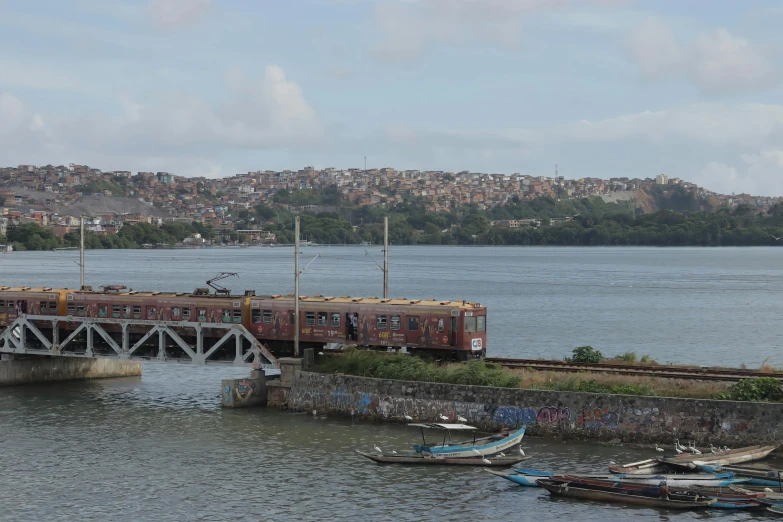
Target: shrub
x,y
757,389
586,354
408,368
628,357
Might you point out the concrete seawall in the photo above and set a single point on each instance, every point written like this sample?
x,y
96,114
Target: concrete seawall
x,y
546,413
41,369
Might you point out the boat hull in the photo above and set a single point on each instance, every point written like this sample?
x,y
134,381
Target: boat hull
x,y
722,458
573,490
441,461
529,478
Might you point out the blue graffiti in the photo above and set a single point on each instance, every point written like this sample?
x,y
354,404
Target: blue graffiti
x,y
227,394
513,416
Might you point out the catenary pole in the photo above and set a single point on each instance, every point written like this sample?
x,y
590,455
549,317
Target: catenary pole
x,y
296,287
386,257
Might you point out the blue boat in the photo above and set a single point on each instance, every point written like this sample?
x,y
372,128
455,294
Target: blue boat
x,y
530,477
481,447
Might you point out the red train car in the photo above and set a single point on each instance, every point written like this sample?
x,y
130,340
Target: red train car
x,y
455,328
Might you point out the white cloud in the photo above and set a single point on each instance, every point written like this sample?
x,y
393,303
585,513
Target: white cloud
x,y
172,14
758,174
410,28
714,61
180,130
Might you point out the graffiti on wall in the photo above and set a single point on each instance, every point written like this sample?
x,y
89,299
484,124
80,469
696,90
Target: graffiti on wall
x,y
244,389
598,418
514,416
554,416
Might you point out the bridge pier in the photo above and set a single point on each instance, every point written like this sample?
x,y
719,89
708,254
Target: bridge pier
x,y
41,368
245,393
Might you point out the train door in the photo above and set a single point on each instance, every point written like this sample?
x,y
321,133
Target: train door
x,y
413,332
453,333
292,325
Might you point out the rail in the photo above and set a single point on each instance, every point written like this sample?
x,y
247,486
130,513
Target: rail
x,y
665,371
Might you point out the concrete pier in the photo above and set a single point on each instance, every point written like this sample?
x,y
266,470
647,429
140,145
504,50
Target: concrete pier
x,y
33,369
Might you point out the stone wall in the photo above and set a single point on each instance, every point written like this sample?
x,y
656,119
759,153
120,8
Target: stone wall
x,y
44,368
548,413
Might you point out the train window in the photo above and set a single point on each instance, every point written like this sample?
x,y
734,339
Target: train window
x,y
80,310
227,315
267,316
413,324
186,314
176,313
335,319
152,313
440,324
137,312
202,315
115,311
380,322
237,315
481,323
255,316
103,310
470,324
291,318
44,308
395,322
323,319
2,305
310,319
126,311
52,307
70,309
10,307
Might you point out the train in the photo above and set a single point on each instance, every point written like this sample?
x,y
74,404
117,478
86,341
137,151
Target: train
x,y
445,329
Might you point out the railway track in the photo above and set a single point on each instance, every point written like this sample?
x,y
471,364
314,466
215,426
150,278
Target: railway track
x,y
665,371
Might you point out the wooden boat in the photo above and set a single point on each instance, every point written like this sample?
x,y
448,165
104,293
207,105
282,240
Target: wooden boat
x,y
418,459
530,477
686,461
635,494
481,447
777,509
720,458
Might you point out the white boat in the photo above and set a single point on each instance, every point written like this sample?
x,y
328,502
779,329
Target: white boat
x,y
482,447
5,249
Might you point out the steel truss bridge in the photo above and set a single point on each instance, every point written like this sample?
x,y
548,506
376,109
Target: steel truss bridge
x,y
135,339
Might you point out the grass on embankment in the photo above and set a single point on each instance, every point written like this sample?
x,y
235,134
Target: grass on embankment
x,y
481,373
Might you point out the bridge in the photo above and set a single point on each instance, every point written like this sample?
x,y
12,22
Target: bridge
x,y
135,339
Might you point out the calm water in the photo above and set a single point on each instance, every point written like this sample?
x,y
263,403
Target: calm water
x,y
160,447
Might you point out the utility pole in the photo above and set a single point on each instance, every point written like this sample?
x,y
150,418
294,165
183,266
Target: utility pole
x,y
386,257
296,287
81,255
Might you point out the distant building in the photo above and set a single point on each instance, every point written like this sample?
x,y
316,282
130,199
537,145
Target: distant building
x,y
661,179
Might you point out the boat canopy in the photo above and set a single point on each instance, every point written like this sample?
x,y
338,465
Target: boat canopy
x,y
439,426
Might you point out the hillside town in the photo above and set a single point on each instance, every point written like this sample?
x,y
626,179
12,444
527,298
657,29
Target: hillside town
x,y
58,196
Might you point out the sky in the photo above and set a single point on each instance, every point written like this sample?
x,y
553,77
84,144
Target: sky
x,y
603,88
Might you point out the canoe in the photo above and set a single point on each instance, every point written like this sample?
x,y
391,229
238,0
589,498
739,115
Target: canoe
x,y
468,449
529,477
603,491
721,458
772,478
778,510
416,459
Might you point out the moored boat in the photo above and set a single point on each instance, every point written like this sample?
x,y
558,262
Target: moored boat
x,y
530,477
480,447
758,476
634,494
418,459
719,458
